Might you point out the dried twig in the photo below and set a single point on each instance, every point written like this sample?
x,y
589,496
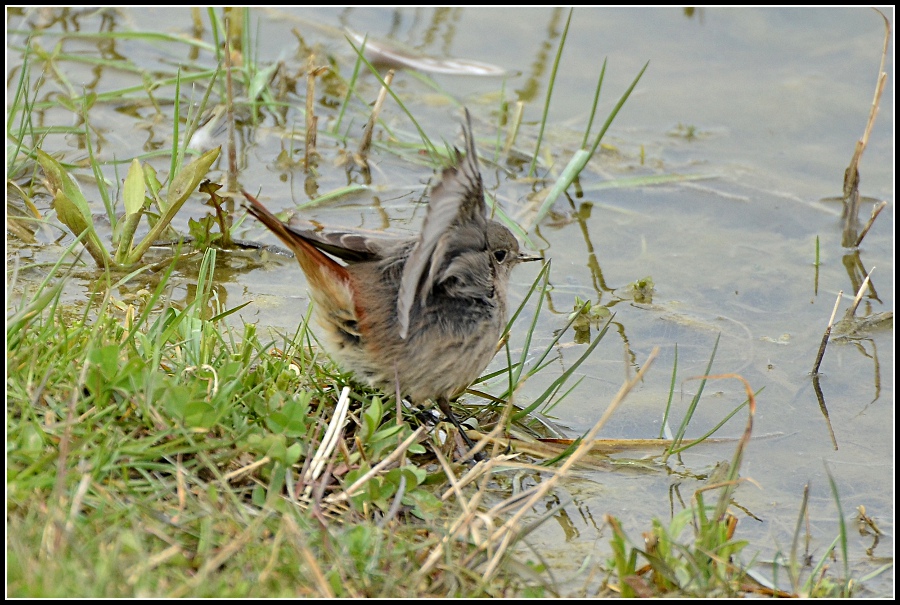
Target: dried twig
x,y
859,294
849,313
396,454
875,212
850,238
370,125
312,120
329,441
826,335
231,182
505,535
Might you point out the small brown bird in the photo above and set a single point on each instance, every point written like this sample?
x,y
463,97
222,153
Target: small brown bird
x,y
425,312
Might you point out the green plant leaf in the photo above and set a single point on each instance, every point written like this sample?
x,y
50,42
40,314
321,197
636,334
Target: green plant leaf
x,y
133,196
371,419
71,207
153,184
181,188
292,419
187,180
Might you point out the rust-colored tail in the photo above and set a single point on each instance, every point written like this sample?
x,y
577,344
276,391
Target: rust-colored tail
x,y
326,276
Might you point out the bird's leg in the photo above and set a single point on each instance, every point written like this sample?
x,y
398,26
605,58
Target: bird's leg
x,y
444,404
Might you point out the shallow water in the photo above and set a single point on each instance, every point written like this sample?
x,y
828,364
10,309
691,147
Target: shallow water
x,y
764,104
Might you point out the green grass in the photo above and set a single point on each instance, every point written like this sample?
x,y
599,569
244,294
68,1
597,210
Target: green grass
x,y
132,441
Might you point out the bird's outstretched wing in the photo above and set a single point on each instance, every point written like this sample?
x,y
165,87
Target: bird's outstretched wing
x,y
457,200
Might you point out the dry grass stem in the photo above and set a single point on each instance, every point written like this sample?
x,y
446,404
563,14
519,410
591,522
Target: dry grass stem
x,y
312,120
748,429
466,521
510,529
875,212
221,556
882,78
366,142
849,236
180,485
479,470
329,441
826,335
512,129
231,180
152,563
316,572
500,539
394,455
227,477
859,294
55,530
455,487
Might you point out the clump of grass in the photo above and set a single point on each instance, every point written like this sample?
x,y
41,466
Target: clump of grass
x,y
164,447
697,553
705,566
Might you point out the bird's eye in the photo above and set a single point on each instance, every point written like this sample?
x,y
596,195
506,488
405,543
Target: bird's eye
x,y
500,255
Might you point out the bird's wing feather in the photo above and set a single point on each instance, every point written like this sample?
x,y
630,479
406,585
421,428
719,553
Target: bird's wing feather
x,y
457,199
